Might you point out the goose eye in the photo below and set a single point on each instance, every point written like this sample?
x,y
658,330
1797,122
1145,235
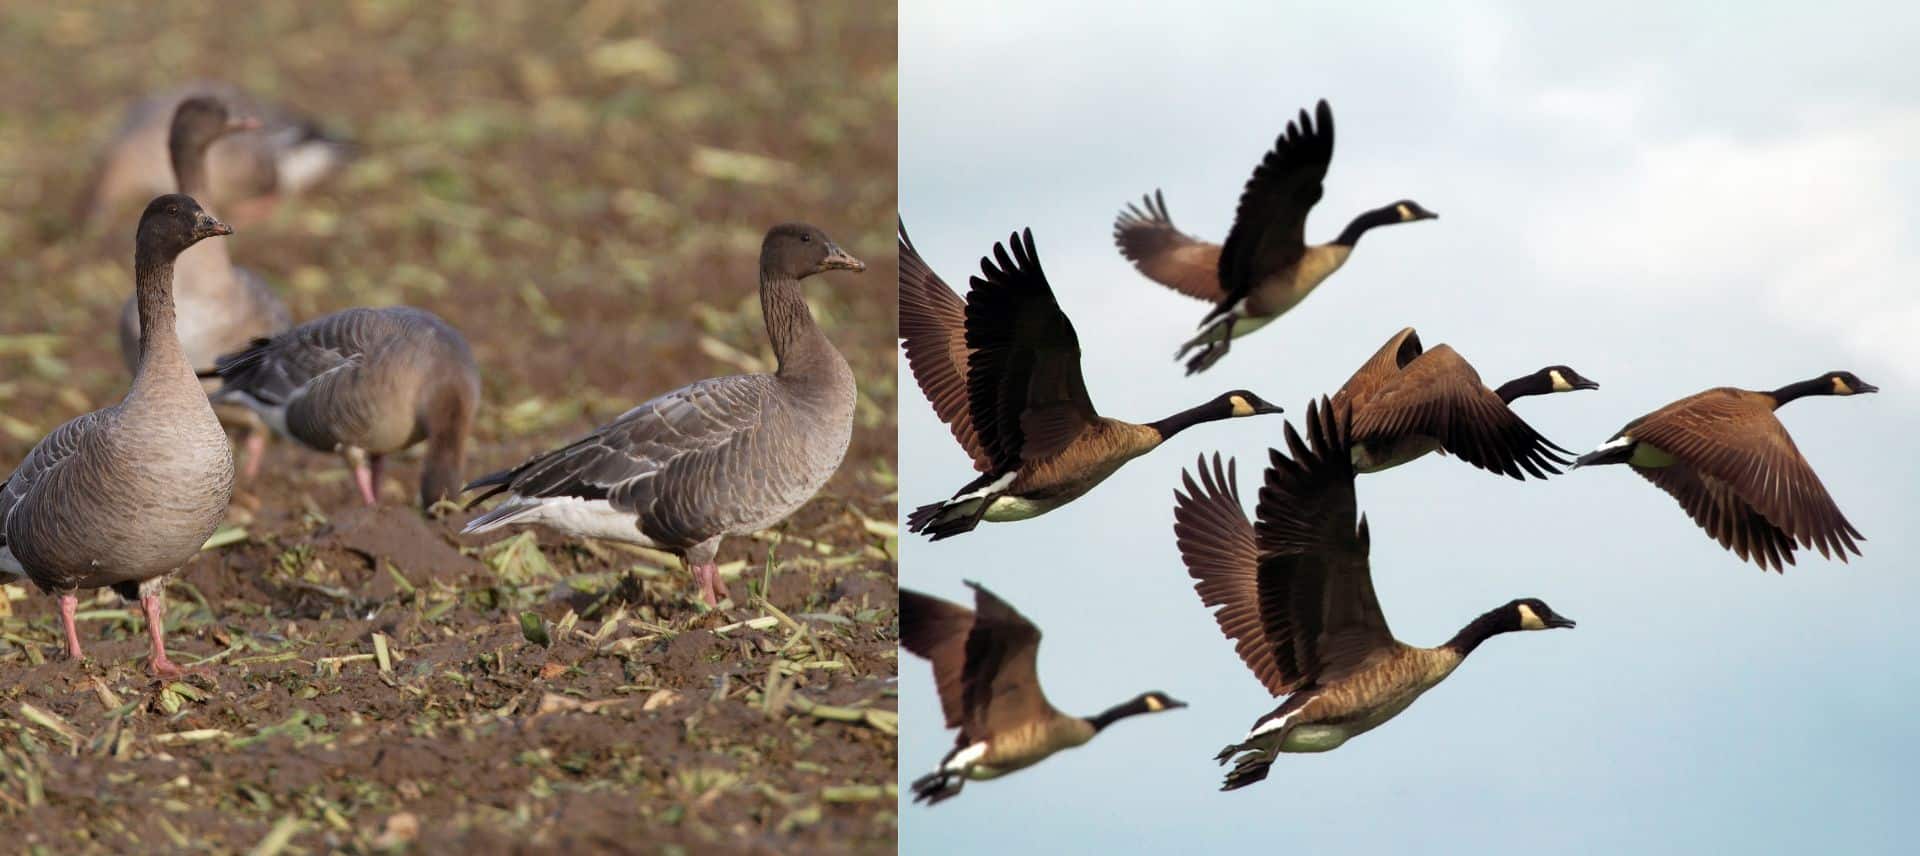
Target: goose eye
x,y
806,239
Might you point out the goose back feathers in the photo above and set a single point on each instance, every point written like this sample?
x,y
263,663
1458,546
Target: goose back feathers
x,y
1730,463
725,456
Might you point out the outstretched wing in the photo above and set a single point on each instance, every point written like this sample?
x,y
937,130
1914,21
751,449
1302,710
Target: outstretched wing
x,y
1316,591
1269,228
1440,395
1146,235
1217,545
933,332
1028,398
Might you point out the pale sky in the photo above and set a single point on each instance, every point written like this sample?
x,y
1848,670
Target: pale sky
x,y
1665,201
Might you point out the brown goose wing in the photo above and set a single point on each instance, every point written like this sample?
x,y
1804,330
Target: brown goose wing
x,y
1380,368
1001,684
1146,235
1217,545
937,630
1732,436
1024,387
933,332
1717,508
1270,226
1439,395
1316,592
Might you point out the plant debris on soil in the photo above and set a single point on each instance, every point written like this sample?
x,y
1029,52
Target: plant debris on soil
x,y
580,189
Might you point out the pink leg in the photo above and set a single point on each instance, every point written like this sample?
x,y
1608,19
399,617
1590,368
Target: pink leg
x,y
154,607
363,476
69,604
255,450
712,588
378,465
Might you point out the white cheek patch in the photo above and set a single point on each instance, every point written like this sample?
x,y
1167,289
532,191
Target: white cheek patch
x,y
1404,213
1559,383
1530,620
1241,407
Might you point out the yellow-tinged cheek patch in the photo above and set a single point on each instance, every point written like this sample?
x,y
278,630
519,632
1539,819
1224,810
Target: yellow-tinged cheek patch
x,y
1529,620
1840,387
1240,406
1559,383
1154,705
1404,213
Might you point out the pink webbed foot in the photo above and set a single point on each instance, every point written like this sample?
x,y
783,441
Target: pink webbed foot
x,y
254,450
712,588
70,604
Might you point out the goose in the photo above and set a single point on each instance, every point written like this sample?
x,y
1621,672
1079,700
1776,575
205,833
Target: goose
x,y
123,497
220,306
286,155
1002,370
1730,463
1407,402
1295,596
983,665
1266,266
363,384
726,456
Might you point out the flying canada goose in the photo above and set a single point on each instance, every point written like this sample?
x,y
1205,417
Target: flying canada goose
x,y
1728,460
1295,596
1407,402
124,496
285,155
983,665
220,306
1003,371
726,456
1266,267
364,384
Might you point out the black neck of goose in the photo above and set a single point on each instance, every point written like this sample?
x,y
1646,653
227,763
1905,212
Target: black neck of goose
x,y
1522,387
1114,714
790,325
153,294
187,148
1492,623
1377,217
1187,418
1816,386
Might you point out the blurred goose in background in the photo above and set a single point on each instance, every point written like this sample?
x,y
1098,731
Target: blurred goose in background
x,y
1295,596
286,154
1407,402
1266,266
727,456
220,307
124,496
984,666
364,384
1002,370
1731,464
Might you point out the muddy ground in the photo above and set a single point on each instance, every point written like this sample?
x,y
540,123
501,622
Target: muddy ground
x,y
581,189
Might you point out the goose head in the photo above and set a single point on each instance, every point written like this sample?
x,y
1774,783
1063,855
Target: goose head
x,y
797,251
175,222
1238,403
1532,613
200,120
1848,383
1409,211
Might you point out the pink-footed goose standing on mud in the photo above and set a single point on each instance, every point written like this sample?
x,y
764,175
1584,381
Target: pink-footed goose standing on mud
x,y
726,456
220,306
365,383
125,496
286,154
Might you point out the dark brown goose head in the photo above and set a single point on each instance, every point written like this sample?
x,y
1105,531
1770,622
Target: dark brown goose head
x,y
1232,404
1527,613
797,251
1147,702
173,223
1831,383
1404,211
1548,380
197,123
